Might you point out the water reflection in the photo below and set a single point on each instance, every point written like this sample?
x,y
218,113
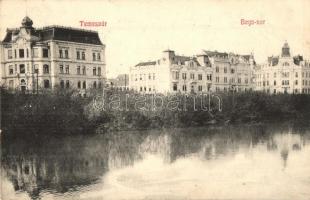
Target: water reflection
x,y
232,162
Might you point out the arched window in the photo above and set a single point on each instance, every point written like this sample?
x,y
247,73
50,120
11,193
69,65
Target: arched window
x,y
46,83
175,87
79,84
45,69
95,84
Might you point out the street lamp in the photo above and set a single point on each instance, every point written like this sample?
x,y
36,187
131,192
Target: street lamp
x,y
36,71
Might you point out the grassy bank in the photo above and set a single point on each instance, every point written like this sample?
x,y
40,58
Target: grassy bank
x,y
64,112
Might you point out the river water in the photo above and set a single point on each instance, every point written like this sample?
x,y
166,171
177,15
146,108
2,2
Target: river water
x,y
230,162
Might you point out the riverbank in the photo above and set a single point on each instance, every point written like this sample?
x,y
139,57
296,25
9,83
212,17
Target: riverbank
x,y
65,112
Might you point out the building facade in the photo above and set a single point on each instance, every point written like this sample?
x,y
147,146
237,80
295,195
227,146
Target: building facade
x,y
210,71
231,72
283,74
44,58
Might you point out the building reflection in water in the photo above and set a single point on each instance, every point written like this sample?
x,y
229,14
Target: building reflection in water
x,y
62,164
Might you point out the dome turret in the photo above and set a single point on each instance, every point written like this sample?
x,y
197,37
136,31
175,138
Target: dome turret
x,y
27,22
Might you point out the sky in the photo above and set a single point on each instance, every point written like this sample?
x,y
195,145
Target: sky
x,y
139,30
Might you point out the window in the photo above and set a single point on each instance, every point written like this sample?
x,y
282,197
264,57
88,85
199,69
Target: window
x,y
45,53
296,82
84,70
79,84
61,69
286,74
246,81
67,69
67,84
36,69
274,82
94,56
200,88
150,76
209,77
46,83
296,74
22,68
78,55
99,85
95,84
62,84
10,54
60,53
35,53
83,55
175,75
45,69
78,70
285,82
84,85
153,76
11,69
98,56
192,76
27,52
239,80
225,79
21,53
175,87
184,88
99,71
94,71
184,76
232,71
199,76
225,69
217,79
217,69
275,75
66,53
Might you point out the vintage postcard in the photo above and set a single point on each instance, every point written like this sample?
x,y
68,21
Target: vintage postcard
x,y
155,100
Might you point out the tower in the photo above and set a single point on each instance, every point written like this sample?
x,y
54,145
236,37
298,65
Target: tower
x,y
285,50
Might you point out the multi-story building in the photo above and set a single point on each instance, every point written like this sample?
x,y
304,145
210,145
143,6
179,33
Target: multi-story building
x,y
283,74
171,74
36,58
210,71
231,72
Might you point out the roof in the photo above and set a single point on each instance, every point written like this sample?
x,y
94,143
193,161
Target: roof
x,y
146,63
60,33
246,57
273,60
215,53
181,59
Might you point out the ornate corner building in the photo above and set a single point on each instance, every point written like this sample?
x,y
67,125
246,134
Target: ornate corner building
x,y
283,74
54,56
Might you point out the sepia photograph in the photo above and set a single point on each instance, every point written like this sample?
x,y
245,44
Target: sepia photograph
x,y
155,99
